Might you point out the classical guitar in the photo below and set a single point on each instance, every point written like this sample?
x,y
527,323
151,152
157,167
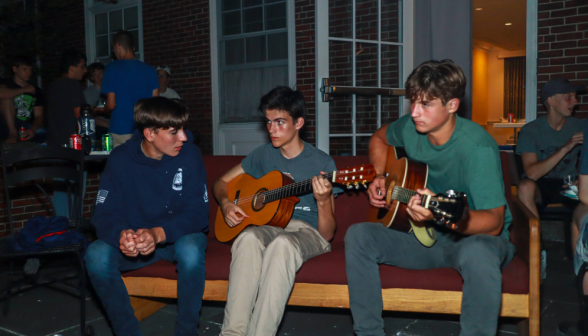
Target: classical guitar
x,y
270,200
403,177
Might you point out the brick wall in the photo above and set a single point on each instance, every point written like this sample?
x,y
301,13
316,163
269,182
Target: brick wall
x,y
563,46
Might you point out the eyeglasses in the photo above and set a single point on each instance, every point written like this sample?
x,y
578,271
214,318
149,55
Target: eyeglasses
x,y
163,75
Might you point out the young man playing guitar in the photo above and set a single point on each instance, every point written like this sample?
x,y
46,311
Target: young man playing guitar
x,y
265,258
461,156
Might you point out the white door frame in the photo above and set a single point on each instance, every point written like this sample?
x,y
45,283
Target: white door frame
x,y
531,74
220,130
322,63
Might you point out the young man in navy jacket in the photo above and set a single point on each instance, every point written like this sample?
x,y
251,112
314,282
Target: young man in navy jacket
x,y
152,205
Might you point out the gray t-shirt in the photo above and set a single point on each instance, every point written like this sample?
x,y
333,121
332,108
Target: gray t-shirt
x,y
307,164
92,95
540,138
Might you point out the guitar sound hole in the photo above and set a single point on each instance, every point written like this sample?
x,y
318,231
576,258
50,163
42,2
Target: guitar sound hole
x,y
258,200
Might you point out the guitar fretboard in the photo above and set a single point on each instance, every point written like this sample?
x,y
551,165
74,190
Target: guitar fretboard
x,y
402,194
294,189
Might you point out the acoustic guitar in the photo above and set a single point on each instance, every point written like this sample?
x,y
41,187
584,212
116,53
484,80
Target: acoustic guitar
x,y
270,200
403,177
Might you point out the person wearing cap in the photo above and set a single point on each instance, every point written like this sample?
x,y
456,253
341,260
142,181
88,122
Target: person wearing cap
x,y
548,146
163,75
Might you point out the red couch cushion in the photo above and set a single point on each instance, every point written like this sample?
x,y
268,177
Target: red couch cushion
x,y
351,207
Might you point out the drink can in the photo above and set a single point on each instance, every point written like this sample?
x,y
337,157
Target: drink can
x,y
21,133
510,117
107,142
75,141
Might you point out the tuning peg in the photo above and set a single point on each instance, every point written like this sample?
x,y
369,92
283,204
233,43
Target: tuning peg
x,y
349,186
450,193
364,185
356,185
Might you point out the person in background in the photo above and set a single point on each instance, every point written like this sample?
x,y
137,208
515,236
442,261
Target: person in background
x,y
152,205
92,94
548,146
164,74
21,104
126,81
65,96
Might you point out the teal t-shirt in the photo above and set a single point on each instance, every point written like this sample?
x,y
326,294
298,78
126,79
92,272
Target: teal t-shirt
x,y
469,162
540,138
309,163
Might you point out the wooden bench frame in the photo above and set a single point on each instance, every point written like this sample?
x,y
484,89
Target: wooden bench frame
x,y
146,292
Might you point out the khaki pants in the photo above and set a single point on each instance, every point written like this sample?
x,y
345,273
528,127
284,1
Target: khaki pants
x,y
264,263
119,139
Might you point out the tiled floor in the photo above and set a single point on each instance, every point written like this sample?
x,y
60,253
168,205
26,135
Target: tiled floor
x,y
43,311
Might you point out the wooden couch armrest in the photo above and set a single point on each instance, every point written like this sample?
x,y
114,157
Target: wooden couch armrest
x,y
526,236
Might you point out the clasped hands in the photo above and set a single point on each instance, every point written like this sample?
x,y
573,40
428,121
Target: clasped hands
x,y
142,241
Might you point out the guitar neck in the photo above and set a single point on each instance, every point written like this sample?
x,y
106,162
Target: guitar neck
x,y
403,195
294,189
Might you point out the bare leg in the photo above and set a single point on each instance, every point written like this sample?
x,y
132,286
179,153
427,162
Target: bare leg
x,y
528,194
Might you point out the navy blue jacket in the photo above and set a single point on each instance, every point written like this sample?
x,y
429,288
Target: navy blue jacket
x,y
137,192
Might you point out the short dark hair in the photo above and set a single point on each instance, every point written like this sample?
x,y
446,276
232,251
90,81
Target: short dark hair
x,y
70,58
19,60
125,39
93,68
284,98
436,79
160,113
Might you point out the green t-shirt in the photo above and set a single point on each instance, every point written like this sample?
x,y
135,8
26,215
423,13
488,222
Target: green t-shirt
x,y
310,162
540,138
469,162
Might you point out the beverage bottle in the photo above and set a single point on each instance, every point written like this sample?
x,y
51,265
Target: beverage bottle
x,y
87,123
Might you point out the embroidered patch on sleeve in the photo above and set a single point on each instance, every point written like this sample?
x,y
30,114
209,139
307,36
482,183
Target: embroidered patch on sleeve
x,y
101,197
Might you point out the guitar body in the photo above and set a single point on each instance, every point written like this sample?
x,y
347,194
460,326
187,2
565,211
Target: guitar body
x,y
246,189
409,174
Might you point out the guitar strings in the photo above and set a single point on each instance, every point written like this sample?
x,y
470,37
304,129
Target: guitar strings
x,y
283,189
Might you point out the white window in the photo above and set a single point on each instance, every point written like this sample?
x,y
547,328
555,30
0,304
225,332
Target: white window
x,y
104,19
253,55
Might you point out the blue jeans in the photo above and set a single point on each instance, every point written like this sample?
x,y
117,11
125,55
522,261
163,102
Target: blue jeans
x,y
478,258
104,264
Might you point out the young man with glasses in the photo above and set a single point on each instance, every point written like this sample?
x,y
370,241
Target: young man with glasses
x,y
163,74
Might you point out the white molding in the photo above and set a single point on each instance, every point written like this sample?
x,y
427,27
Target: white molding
x,y
408,22
531,76
214,80
321,71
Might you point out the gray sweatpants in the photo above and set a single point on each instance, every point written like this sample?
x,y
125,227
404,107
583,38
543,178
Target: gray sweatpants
x,y
477,258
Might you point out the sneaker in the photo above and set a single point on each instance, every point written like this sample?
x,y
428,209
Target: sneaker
x,y
32,266
570,329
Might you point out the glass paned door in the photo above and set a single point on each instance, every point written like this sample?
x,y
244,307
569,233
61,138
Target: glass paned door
x,y
365,50
109,23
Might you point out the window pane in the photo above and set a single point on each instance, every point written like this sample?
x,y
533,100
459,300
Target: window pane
x,y
249,3
131,18
240,98
366,64
277,46
101,24
231,4
391,14
135,34
362,145
390,109
232,23
366,114
104,60
366,19
341,146
272,1
391,64
253,19
102,49
340,20
340,74
275,16
234,52
115,21
255,49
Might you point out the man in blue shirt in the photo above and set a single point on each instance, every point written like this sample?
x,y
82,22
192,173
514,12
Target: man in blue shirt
x,y
152,205
125,82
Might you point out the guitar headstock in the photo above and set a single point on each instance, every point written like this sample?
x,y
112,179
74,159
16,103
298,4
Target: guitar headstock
x,y
448,209
354,176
